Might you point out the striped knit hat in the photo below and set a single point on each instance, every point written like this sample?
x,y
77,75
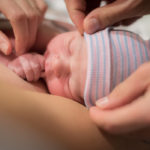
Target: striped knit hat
x,y
112,57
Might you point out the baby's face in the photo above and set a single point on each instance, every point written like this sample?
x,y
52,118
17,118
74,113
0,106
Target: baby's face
x,y
65,65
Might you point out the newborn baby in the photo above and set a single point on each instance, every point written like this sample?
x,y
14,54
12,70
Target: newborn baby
x,y
84,68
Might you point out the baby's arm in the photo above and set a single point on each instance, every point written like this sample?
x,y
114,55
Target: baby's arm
x,y
28,66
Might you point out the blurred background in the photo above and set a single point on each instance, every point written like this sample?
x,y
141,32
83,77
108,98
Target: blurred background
x,y
57,10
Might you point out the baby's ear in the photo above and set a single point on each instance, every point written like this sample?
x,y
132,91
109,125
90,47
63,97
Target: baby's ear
x,y
5,44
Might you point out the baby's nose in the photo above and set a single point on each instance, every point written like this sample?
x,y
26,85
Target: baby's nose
x,y
60,67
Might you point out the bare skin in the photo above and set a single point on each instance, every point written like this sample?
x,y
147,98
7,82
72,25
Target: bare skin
x,y
64,75
59,117
89,17
46,32
59,66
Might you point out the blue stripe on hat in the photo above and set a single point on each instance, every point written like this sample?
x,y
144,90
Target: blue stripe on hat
x,y
98,66
121,56
128,56
133,50
104,56
115,64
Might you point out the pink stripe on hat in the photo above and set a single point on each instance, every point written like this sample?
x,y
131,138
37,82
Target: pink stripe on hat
x,y
98,72
112,57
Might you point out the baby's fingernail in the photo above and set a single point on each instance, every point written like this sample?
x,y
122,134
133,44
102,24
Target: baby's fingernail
x,y
102,103
92,25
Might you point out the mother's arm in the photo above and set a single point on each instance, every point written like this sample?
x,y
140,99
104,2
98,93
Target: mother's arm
x,y
56,118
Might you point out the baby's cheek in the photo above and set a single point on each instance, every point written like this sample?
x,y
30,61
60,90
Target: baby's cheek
x,y
55,87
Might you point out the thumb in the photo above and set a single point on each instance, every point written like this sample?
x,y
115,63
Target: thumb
x,y
5,44
128,90
76,9
107,15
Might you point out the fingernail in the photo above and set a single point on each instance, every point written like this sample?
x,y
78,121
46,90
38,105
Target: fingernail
x,y
102,102
93,25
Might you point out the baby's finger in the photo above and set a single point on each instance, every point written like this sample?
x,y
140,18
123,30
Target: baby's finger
x,y
36,67
17,69
27,68
41,61
5,44
20,72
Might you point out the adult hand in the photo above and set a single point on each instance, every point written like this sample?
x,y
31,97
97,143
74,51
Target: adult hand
x,y
89,17
24,17
46,31
127,108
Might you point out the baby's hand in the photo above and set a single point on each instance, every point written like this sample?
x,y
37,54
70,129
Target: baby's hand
x,y
28,66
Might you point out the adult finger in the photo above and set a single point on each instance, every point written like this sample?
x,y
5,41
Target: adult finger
x,y
110,14
5,44
33,16
41,6
125,119
128,90
76,9
34,10
24,17
19,23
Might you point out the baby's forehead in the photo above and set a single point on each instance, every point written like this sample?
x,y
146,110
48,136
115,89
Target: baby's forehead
x,y
53,45
59,43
